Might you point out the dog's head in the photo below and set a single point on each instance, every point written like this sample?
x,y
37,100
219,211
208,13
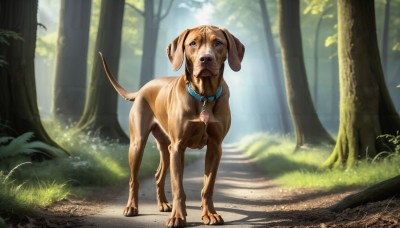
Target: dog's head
x,y
206,49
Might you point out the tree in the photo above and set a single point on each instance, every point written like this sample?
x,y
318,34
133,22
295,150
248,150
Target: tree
x,y
385,38
70,73
308,128
151,28
274,65
100,112
19,111
366,109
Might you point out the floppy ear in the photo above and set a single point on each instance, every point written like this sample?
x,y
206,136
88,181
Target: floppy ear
x,y
235,51
175,50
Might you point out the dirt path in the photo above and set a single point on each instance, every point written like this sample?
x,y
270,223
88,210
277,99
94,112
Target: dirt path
x,y
245,198
239,196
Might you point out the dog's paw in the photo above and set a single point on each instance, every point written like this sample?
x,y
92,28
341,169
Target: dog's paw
x,y
176,222
130,211
212,219
165,207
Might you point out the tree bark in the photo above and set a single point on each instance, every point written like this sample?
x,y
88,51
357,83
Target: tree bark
x,y
385,37
70,73
380,191
275,72
366,109
100,113
151,28
308,128
19,111
149,43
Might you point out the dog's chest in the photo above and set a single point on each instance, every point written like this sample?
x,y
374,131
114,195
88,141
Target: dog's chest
x,y
196,136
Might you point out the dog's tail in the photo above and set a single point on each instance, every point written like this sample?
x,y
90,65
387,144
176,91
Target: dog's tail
x,y
130,96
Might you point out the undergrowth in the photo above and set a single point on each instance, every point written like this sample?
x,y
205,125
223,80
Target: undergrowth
x,y
303,169
18,199
27,183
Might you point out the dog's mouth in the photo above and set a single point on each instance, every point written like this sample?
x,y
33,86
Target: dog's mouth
x,y
205,72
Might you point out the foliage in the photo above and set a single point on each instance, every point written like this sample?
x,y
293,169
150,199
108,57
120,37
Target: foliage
x,y
11,146
46,45
396,47
393,142
5,36
274,154
330,40
302,170
17,198
316,6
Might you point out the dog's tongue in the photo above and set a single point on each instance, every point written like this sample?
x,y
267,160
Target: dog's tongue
x,y
204,116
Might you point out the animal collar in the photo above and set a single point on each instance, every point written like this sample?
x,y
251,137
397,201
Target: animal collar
x,y
201,98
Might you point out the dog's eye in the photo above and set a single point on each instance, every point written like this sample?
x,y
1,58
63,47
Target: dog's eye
x,y
218,43
192,44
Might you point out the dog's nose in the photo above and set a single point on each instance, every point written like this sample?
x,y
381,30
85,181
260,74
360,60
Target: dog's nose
x,y
205,58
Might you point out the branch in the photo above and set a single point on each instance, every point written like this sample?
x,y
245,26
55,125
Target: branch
x,y
136,9
159,10
167,11
380,191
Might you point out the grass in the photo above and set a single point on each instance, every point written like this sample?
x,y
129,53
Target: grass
x,y
274,156
92,163
18,199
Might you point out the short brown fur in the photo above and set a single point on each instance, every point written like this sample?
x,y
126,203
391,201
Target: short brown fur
x,y
166,109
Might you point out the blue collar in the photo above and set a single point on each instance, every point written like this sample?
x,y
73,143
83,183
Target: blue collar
x,y
200,98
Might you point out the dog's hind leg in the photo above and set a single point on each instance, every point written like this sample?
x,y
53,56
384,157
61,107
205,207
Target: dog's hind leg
x,y
140,123
162,143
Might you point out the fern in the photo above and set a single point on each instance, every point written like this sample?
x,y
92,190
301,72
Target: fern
x,y
21,145
393,140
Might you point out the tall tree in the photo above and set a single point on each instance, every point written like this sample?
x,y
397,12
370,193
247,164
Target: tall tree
x,y
100,112
19,111
274,65
366,109
70,73
152,21
385,37
308,128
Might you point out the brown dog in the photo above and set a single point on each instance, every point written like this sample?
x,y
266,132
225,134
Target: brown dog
x,y
188,111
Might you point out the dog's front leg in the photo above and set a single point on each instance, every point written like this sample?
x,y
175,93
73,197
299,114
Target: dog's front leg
x,y
178,215
213,158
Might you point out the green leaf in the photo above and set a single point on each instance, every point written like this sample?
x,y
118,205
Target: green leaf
x,y
21,146
331,40
396,47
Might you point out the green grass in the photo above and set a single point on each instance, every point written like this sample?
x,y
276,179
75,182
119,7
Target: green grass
x,y
96,162
275,157
92,163
19,199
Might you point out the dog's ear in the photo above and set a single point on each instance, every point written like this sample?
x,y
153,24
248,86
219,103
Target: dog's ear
x,y
175,50
235,51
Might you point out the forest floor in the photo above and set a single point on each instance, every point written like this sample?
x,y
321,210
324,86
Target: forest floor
x,y
243,196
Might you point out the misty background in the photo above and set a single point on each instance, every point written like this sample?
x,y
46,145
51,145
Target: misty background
x,y
253,101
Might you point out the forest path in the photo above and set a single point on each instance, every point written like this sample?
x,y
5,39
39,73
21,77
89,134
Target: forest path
x,y
241,197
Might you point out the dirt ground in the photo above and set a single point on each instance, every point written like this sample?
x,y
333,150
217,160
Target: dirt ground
x,y
243,197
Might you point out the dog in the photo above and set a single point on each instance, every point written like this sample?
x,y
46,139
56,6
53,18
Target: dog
x,y
187,111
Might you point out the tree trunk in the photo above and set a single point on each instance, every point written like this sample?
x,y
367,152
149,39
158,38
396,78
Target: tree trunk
x,y
385,38
149,43
19,111
151,28
275,72
316,56
366,110
100,114
308,128
380,191
70,73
